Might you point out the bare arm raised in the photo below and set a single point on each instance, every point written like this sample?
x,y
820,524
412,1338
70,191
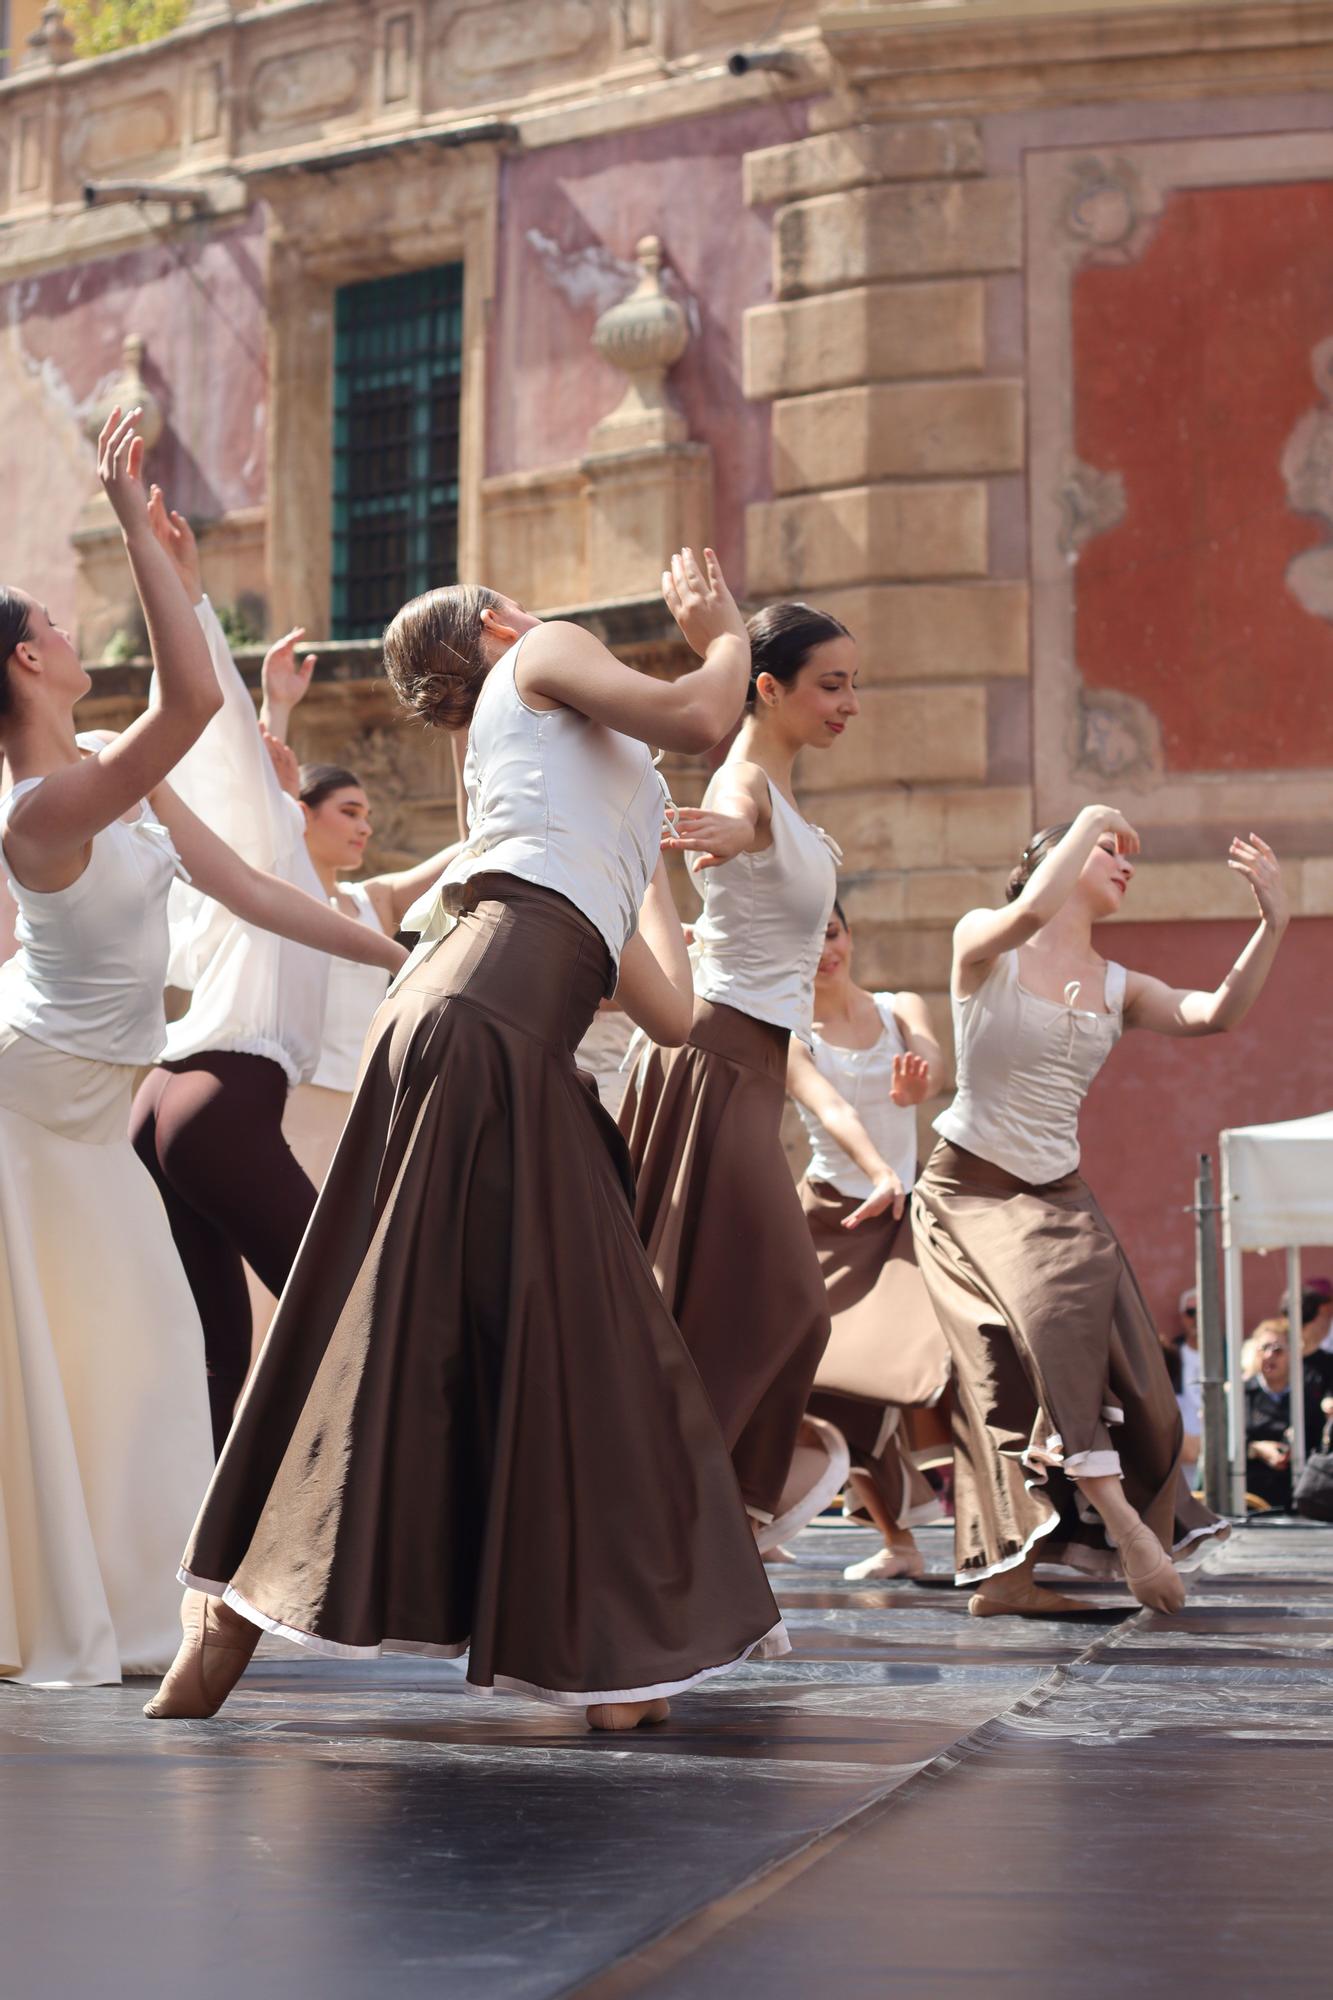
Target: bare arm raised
x,y
1171,1010
564,666
51,826
983,935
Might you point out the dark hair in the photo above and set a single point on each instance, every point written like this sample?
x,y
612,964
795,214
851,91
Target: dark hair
x,y
433,655
1033,854
840,913
15,622
783,637
321,781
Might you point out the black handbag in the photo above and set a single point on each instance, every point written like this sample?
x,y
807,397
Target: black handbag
x,y
1313,1496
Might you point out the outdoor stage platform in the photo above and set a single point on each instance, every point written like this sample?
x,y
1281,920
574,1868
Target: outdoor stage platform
x,y
913,1804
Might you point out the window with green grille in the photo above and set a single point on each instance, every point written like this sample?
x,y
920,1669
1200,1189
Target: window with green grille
x,y
397,367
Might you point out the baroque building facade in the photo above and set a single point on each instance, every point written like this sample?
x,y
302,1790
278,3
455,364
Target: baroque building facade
x,y
1002,328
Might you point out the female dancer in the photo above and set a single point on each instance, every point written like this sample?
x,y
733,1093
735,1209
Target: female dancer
x,y
1068,1438
704,1124
207,1123
104,1443
873,1058
337,814
474,1425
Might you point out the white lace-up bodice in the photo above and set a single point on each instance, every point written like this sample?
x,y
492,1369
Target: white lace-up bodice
x,y
1025,1065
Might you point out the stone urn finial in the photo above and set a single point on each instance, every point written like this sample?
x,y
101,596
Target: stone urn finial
x,y
51,41
129,391
644,335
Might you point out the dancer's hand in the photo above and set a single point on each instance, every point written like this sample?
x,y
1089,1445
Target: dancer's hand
x,y
911,1080
283,759
1256,861
120,469
177,538
715,837
285,681
1270,1451
888,1189
700,602
1113,821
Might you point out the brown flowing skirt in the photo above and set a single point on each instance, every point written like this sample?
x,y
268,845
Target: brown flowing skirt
x,y
473,1425
885,1372
1058,1370
721,1220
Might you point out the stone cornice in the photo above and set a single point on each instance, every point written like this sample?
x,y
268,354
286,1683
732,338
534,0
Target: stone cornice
x,y
980,52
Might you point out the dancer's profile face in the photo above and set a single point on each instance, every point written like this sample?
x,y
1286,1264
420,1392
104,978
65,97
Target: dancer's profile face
x,y
49,648
836,957
815,708
1106,878
338,828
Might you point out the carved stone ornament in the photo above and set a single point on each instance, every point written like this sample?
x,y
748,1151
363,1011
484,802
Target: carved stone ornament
x,y
1117,736
51,41
128,391
644,335
1091,503
1108,210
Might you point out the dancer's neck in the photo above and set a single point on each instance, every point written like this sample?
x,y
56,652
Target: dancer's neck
x,y
39,745
758,742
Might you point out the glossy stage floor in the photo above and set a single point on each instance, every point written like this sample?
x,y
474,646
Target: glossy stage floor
x,y
914,1803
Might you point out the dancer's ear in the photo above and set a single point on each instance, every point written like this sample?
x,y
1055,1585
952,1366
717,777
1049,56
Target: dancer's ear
x,y
495,625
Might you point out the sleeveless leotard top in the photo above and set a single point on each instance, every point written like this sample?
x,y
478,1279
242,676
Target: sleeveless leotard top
x,y
1025,1066
865,1078
757,943
556,800
91,963
355,991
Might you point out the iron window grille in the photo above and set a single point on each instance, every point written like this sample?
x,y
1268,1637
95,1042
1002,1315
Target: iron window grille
x,y
397,374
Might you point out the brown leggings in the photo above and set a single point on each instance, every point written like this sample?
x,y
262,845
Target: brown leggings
x,y
209,1131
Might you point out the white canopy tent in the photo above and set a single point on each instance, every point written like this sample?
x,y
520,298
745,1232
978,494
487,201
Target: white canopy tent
x,y
1277,1194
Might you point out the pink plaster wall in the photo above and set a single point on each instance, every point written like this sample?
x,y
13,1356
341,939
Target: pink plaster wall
x,y
1160,1102
199,305
570,218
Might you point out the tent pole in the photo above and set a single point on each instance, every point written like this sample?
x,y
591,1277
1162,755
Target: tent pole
x,y
1235,1306
1296,1364
1212,1340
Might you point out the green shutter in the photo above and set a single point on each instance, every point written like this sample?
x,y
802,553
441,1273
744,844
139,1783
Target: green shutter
x,y
397,369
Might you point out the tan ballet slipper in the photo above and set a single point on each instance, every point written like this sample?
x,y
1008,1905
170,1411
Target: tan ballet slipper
x,y
1150,1572
214,1653
626,1714
886,1563
1013,1594
778,1554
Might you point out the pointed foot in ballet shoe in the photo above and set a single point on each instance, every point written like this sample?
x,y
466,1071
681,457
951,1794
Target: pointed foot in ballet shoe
x,y
777,1554
1150,1573
1026,1600
214,1653
626,1714
885,1564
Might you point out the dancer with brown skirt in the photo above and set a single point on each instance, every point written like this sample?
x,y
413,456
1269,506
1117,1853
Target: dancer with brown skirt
x,y
882,1380
1068,1441
716,1204
474,1426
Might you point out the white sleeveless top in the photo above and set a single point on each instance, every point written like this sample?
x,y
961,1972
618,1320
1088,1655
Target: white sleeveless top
x,y
865,1078
559,801
252,992
91,963
355,991
758,941
1025,1066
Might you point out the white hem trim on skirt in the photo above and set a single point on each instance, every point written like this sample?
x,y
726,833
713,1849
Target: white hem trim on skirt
x,y
830,1482
771,1646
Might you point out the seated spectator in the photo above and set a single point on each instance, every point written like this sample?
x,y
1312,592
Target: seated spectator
x,y
1266,1363
1316,1314
1189,1387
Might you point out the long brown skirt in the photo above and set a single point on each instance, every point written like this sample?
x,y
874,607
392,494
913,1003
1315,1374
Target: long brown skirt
x,y
473,1425
1058,1370
885,1370
721,1220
